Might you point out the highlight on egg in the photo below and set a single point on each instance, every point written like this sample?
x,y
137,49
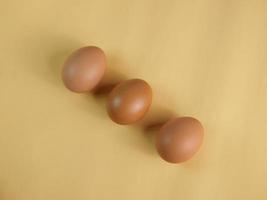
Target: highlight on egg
x,y
84,69
179,139
129,101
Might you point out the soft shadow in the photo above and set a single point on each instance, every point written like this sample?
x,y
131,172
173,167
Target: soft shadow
x,y
149,125
110,80
100,93
157,116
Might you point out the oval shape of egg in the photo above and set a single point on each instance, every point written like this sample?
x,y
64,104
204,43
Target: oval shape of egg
x,y
84,69
129,101
179,139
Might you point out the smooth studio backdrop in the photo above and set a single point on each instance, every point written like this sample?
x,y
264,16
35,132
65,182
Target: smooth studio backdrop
x,y
203,58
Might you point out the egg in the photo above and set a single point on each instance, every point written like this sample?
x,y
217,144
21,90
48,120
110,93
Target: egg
x,y
84,69
179,139
129,101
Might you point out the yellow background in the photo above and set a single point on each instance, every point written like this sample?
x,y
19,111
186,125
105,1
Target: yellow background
x,y
203,58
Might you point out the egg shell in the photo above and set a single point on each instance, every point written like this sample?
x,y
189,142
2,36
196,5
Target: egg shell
x,y
129,101
84,69
179,139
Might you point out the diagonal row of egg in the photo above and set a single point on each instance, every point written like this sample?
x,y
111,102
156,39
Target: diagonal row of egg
x,y
128,102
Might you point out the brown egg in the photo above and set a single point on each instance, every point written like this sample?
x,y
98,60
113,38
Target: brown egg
x,y
179,139
129,101
84,69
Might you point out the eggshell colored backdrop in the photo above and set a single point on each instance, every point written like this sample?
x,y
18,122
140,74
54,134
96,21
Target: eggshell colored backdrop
x,y
205,59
